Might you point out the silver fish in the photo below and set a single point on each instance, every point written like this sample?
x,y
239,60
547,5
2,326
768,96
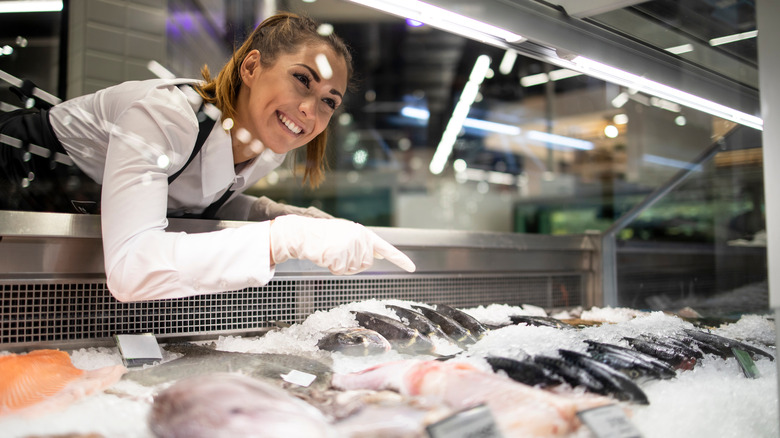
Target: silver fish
x,y
231,405
198,360
354,341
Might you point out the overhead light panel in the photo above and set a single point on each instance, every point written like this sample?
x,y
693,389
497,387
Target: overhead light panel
x,y
8,7
543,78
652,88
559,140
507,62
679,50
470,91
442,19
733,38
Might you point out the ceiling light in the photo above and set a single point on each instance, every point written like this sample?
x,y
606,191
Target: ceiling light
x,y
30,6
443,19
532,80
679,50
507,62
559,140
652,88
470,91
733,38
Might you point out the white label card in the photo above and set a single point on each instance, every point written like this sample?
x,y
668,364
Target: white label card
x,y
608,422
299,378
476,422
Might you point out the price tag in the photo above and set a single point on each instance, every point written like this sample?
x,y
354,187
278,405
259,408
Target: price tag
x,y
608,422
476,422
746,362
299,378
137,350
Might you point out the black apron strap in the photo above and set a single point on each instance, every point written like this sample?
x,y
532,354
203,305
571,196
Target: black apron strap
x,y
205,125
211,211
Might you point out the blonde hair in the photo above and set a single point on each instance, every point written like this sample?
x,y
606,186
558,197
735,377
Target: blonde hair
x,y
283,33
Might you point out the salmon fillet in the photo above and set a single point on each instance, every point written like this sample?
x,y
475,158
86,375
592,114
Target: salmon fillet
x,y
47,380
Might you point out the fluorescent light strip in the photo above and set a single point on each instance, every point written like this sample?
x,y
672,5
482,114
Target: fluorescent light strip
x,y
484,125
8,7
462,108
671,162
507,62
159,71
564,73
542,78
733,38
441,18
620,77
679,50
559,140
537,79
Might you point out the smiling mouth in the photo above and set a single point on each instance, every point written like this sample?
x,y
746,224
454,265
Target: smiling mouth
x,y
295,129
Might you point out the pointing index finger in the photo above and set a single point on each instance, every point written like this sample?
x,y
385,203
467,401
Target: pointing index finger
x,y
385,250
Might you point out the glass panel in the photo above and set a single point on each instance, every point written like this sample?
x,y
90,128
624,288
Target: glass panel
x,y
703,245
29,49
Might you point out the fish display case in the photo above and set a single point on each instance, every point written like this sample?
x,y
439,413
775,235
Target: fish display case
x,y
541,302
54,288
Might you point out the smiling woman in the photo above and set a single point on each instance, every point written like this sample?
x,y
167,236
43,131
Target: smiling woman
x,y
157,150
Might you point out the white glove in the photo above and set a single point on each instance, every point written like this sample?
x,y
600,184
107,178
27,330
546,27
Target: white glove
x,y
342,246
265,209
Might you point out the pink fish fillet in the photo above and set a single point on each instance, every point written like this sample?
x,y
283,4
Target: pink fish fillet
x,y
46,380
518,409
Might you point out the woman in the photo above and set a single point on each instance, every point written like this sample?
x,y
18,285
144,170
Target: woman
x,y
141,142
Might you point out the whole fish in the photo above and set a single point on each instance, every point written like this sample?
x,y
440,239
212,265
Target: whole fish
x,y
540,321
615,382
524,371
672,355
232,405
199,360
519,410
723,345
477,329
456,332
417,321
354,341
683,343
633,363
402,338
570,373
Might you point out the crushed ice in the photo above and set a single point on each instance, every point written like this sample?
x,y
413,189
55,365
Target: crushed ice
x,y
713,399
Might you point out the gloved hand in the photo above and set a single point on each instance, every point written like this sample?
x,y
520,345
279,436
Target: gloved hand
x,y
342,246
265,209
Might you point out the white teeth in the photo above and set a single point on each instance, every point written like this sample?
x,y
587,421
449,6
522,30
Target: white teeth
x,y
290,125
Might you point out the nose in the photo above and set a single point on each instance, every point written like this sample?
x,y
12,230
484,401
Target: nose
x,y
307,106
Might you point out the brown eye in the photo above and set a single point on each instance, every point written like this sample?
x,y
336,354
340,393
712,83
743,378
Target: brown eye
x,y
305,80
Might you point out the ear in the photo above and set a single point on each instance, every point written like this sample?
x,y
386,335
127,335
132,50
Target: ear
x,y
250,67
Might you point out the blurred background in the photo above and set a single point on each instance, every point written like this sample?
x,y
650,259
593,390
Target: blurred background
x,y
543,150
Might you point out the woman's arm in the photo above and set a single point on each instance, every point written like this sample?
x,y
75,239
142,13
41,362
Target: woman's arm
x,y
143,261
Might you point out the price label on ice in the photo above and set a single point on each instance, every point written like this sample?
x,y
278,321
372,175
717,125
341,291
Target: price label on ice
x,y
608,422
476,422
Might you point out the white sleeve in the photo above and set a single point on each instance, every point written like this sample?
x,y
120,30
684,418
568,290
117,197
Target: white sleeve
x,y
143,261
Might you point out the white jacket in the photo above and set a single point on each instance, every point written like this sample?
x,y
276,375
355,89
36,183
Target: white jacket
x,y
130,138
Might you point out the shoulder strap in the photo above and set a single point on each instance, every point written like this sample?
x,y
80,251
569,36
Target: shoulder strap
x,y
205,125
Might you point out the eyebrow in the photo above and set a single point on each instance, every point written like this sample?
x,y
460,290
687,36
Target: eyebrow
x,y
317,79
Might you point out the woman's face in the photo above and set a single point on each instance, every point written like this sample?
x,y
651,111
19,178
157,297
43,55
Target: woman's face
x,y
289,103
